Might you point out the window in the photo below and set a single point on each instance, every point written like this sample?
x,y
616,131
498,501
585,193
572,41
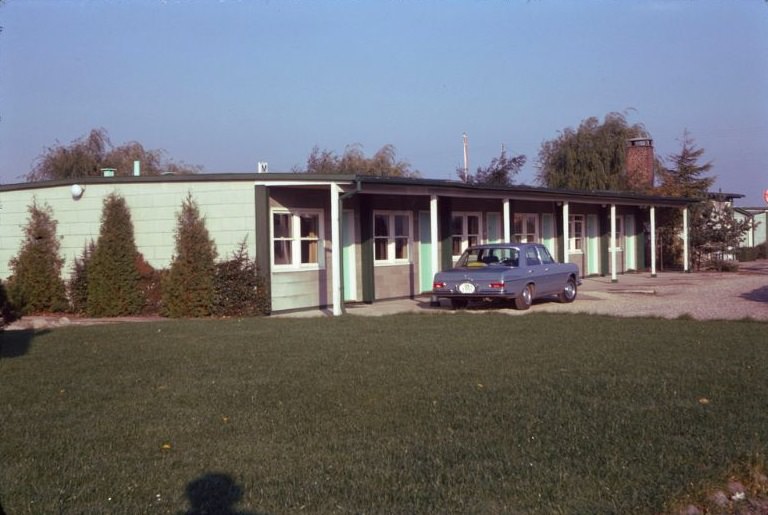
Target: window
x,y
481,257
391,237
465,231
526,228
576,233
546,257
531,257
297,239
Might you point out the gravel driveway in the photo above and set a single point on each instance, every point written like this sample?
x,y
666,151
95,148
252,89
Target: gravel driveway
x,y
700,295
703,296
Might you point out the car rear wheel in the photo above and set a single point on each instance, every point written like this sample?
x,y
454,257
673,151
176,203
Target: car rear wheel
x,y
569,291
459,303
525,299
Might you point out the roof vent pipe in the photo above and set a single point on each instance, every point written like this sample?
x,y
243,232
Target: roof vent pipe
x,y
136,168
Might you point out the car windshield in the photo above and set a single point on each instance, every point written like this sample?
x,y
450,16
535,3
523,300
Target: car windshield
x,y
507,256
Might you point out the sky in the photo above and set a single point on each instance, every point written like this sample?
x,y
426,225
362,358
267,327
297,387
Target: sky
x,y
225,84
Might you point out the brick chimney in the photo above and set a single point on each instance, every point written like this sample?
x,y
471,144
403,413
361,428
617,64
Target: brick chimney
x,y
639,163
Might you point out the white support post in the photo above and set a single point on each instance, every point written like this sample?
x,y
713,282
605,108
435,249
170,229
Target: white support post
x,y
685,239
566,234
336,279
435,243
612,243
507,227
653,241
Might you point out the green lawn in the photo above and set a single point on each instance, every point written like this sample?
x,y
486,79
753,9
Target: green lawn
x,y
460,413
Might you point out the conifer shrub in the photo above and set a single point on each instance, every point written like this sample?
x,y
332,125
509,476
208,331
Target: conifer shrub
x,y
188,289
150,284
35,284
112,276
78,280
7,313
240,288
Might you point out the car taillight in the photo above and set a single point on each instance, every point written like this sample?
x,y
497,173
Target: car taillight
x,y
438,285
497,285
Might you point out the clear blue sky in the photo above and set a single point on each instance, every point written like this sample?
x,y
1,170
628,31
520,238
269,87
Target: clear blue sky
x,y
226,83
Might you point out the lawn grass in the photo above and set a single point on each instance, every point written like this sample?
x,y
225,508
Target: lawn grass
x,y
460,413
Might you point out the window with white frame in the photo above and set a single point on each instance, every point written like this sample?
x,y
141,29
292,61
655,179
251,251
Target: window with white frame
x,y
391,237
576,233
297,238
526,228
465,231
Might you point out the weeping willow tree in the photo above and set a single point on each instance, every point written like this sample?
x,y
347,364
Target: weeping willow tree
x,y
354,161
591,157
88,155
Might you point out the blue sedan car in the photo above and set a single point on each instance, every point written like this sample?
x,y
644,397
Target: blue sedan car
x,y
520,272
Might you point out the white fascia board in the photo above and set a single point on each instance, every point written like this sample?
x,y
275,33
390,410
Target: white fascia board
x,y
302,183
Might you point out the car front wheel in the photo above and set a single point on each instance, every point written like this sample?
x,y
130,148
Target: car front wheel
x,y
525,299
569,291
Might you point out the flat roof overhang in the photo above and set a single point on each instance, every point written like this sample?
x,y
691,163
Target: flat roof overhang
x,y
381,185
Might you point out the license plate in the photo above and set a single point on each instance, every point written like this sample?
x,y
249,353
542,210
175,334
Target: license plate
x,y
467,288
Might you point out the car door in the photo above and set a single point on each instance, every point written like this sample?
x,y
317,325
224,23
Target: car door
x,y
553,278
534,271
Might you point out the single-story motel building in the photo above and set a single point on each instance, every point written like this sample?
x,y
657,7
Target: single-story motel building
x,y
325,240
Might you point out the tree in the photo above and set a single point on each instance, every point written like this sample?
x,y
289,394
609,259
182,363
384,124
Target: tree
x,y
500,172
113,277
686,177
715,233
590,158
354,162
35,284
189,287
88,155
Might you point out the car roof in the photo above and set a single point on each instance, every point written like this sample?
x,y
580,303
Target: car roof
x,y
502,245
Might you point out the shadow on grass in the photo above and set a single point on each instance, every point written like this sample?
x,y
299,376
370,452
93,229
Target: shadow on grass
x,y
215,493
14,344
757,295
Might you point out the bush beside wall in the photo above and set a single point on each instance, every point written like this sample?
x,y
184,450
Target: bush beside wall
x,y
113,279
35,285
240,288
189,287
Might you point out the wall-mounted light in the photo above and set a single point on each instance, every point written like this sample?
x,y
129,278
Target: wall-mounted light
x,y
77,191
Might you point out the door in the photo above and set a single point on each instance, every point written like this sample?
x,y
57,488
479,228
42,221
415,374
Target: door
x,y
551,273
425,253
534,271
630,241
348,255
593,245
